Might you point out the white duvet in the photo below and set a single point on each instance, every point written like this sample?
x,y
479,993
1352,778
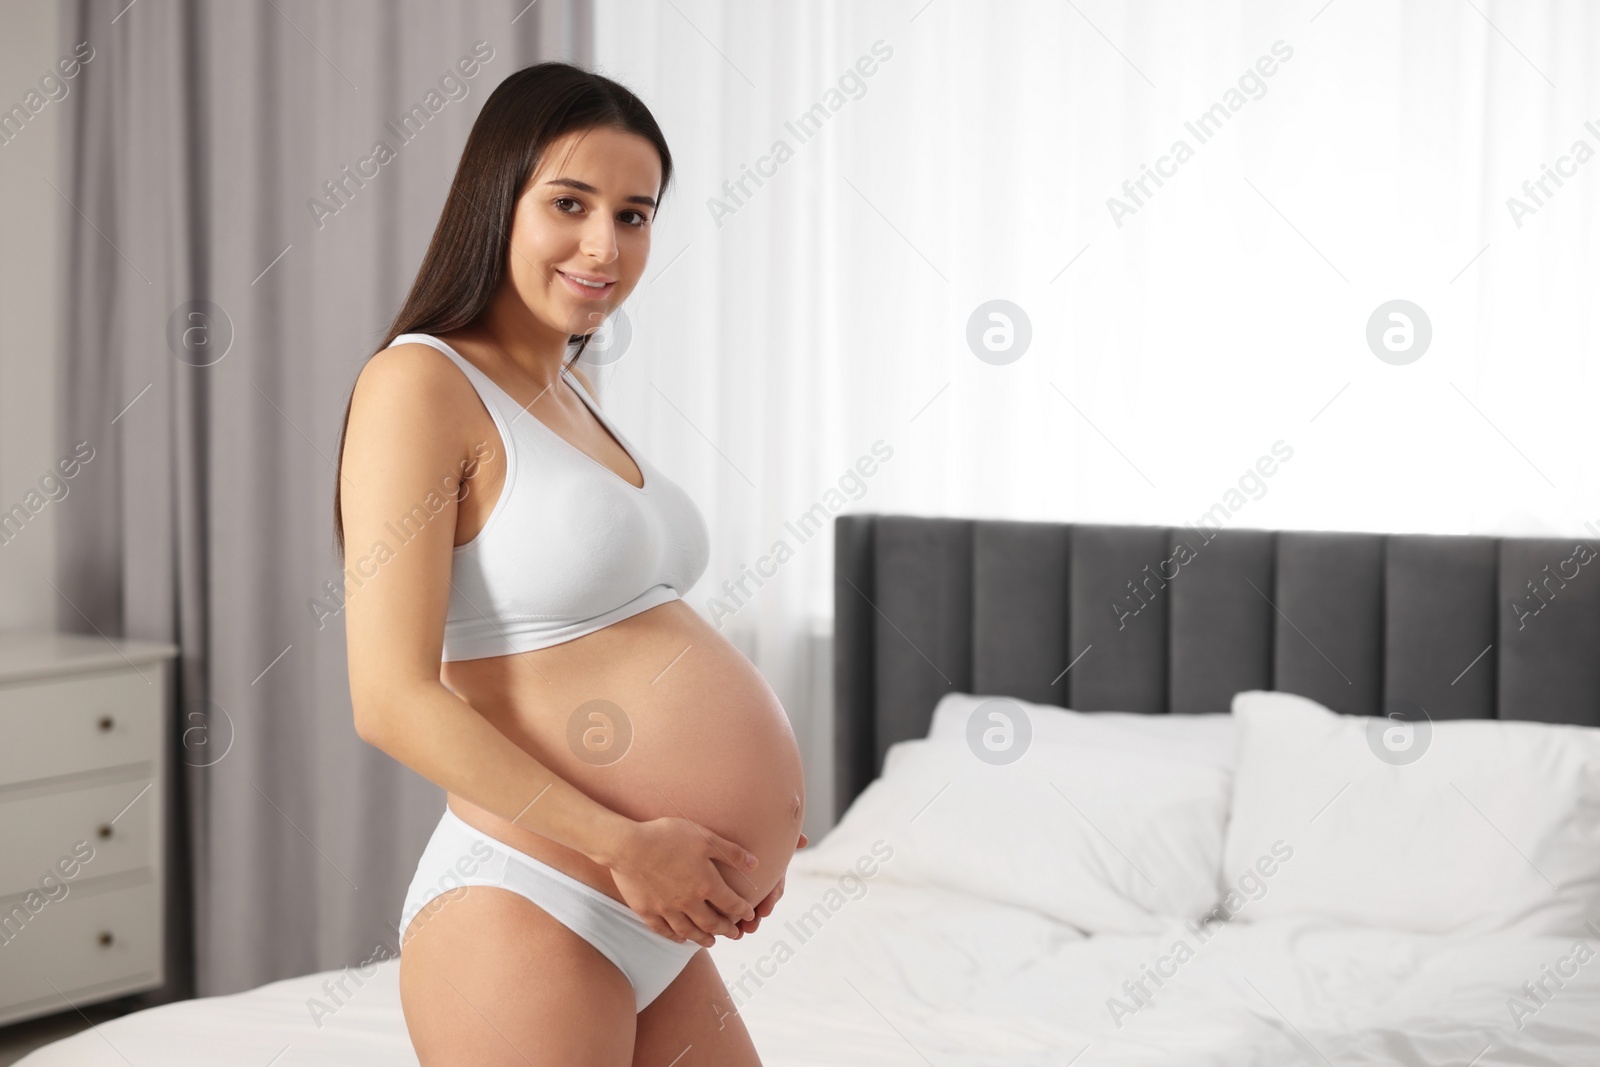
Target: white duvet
x,y
913,975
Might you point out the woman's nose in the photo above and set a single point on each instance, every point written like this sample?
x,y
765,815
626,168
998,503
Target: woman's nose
x,y
600,241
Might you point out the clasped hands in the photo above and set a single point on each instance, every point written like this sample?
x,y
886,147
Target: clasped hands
x,y
768,902
664,869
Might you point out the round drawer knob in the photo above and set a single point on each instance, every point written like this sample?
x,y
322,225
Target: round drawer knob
x,y
105,937
105,830
105,723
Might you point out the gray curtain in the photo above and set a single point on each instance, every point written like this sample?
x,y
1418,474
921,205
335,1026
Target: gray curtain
x,y
236,248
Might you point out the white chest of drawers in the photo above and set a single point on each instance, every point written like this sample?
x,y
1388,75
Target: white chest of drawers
x,y
83,748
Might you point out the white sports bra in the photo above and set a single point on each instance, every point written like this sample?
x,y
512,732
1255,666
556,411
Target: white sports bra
x,y
570,547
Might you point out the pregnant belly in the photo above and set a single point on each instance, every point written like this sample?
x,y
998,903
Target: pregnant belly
x,y
656,715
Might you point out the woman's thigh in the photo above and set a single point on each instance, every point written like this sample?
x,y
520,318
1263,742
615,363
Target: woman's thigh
x,y
694,1014
487,977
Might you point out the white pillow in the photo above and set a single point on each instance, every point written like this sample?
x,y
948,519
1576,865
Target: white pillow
x,y
1105,840
1209,739
1461,827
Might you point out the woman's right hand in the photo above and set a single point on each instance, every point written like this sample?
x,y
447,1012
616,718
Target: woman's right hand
x,y
666,875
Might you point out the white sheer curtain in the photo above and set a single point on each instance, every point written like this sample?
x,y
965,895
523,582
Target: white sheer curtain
x,y
1339,156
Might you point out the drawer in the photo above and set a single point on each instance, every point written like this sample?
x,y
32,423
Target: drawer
x,y
41,832
64,725
83,943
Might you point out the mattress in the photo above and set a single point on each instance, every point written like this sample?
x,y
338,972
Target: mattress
x,y
895,974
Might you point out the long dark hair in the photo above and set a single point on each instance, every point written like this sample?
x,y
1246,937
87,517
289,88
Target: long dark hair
x,y
466,259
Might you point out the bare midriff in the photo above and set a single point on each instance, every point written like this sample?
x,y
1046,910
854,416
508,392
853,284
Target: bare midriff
x,y
656,715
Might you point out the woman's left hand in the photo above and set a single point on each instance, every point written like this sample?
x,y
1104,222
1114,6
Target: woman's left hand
x,y
770,901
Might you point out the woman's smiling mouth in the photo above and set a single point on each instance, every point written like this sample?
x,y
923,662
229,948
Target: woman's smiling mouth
x,y
587,289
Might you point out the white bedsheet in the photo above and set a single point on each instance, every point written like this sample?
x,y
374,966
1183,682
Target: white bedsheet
x,y
917,976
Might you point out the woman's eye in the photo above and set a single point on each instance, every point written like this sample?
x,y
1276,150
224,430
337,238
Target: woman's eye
x,y
643,219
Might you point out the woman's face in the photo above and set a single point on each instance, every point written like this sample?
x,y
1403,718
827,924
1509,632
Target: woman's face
x,y
586,213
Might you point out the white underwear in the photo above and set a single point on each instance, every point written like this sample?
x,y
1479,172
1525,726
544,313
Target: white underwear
x,y
459,854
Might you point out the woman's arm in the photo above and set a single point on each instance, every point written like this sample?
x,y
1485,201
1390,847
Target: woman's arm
x,y
403,457
437,734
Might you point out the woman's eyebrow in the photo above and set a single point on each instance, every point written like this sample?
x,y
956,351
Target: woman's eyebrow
x,y
585,187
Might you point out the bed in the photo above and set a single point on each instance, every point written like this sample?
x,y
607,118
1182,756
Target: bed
x,y
1495,640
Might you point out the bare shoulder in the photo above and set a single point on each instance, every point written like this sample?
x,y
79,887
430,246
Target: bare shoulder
x,y
414,388
411,407
413,370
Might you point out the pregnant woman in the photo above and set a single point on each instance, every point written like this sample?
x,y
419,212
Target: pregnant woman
x,y
622,784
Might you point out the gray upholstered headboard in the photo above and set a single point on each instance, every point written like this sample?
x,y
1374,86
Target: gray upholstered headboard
x,y
1161,620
